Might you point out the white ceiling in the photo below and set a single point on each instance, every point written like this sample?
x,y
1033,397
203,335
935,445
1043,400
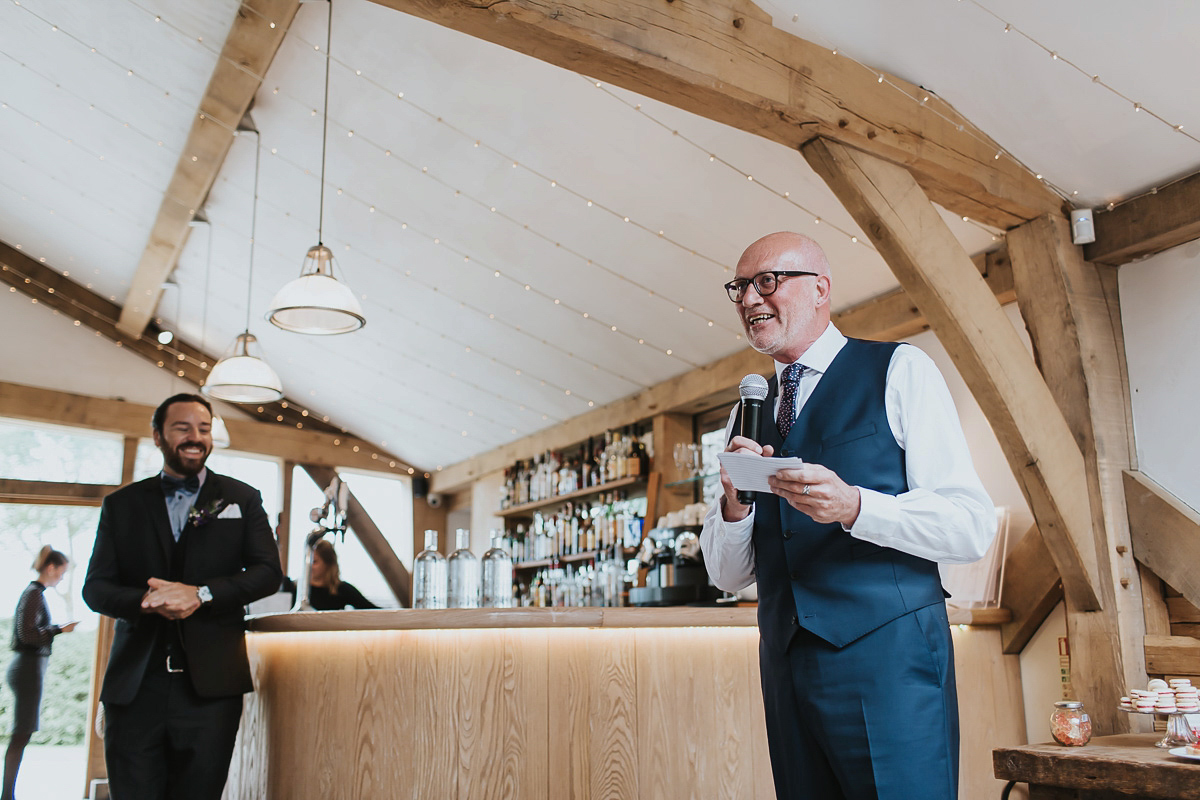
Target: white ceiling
x,y
454,360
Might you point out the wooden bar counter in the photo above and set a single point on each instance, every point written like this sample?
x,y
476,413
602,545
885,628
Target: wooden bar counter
x,y
553,704
514,703
1109,767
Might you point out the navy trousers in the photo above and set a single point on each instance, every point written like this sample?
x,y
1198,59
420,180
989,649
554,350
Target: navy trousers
x,y
874,720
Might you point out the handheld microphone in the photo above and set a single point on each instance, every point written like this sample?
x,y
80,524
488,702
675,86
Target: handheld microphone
x,y
753,390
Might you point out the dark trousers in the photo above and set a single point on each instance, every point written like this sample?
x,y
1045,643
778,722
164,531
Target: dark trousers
x,y
874,720
169,743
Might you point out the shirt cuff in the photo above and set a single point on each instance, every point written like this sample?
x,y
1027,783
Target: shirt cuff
x,y
878,517
740,531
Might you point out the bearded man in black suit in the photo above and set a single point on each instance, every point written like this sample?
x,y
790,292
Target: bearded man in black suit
x,y
177,558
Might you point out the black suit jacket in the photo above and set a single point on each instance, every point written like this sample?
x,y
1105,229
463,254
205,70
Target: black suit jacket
x,y
236,558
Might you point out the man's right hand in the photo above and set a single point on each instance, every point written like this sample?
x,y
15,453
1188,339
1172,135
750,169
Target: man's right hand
x,y
731,509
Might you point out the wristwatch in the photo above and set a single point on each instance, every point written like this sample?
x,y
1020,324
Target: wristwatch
x,y
204,594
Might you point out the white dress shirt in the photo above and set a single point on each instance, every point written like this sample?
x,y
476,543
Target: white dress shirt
x,y
945,516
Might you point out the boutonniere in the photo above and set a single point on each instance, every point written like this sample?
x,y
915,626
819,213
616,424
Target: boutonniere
x,y
199,517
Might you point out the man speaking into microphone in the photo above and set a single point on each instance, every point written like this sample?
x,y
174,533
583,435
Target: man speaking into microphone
x,y
855,652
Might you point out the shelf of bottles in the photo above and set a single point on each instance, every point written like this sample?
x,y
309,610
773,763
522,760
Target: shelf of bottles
x,y
574,517
596,465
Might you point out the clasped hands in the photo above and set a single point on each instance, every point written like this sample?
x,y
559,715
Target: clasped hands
x,y
810,489
170,599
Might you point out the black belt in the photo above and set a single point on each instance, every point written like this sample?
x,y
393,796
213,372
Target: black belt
x,y
168,651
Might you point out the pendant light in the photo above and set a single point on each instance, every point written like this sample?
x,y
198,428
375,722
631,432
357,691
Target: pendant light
x,y
220,432
241,376
316,302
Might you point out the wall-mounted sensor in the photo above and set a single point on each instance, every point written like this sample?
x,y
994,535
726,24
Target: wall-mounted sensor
x,y
1082,229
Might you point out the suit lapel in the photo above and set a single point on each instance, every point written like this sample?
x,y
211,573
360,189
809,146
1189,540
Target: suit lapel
x,y
158,514
210,493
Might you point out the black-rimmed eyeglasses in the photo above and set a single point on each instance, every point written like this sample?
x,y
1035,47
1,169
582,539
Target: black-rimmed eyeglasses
x,y
765,283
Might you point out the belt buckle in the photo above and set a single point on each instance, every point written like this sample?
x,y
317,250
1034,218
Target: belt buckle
x,y
169,667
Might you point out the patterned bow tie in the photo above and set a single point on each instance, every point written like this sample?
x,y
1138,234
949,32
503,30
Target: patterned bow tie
x,y
172,485
787,400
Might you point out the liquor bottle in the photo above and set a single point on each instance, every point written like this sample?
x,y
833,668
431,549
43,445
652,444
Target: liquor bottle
x,y
463,567
429,575
497,575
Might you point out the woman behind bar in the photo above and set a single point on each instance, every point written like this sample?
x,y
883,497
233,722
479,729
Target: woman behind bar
x,y
31,638
326,589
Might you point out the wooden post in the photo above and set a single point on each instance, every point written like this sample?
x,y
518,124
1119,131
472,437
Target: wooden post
x,y
670,430
283,531
1072,311
96,769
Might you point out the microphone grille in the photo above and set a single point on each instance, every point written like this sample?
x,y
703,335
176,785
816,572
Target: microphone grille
x,y
753,387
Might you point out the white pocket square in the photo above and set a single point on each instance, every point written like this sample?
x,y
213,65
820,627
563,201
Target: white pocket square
x,y
231,511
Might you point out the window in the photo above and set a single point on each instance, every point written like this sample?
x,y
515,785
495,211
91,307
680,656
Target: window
x,y
262,472
39,452
387,498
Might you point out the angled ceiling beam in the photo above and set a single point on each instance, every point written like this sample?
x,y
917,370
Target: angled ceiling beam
x,y
929,262
45,286
249,49
723,60
1148,224
133,421
1166,533
889,317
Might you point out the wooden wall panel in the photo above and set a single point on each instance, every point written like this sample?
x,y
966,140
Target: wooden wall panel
x,y
694,695
990,705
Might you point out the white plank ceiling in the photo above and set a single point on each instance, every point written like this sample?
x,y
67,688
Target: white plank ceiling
x,y
481,216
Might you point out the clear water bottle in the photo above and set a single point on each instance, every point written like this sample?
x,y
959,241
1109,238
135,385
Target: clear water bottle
x,y
429,575
497,575
464,573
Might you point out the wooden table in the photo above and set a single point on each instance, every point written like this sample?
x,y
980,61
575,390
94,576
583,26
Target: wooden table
x,y
1110,767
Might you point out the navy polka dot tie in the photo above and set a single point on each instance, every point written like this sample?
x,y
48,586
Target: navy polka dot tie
x,y
787,400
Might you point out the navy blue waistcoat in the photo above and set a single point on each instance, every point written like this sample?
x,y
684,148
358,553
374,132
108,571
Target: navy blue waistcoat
x,y
817,576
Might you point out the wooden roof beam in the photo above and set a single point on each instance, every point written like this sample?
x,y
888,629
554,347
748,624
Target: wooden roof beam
x,y
1146,225
889,317
723,60
47,287
133,420
1165,532
258,29
931,265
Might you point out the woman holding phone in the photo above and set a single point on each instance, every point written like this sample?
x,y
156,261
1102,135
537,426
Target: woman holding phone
x,y
31,638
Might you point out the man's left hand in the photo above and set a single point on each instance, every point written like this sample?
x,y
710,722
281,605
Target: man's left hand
x,y
170,599
818,492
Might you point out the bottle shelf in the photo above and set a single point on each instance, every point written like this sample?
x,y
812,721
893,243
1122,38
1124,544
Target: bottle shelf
x,y
525,509
586,555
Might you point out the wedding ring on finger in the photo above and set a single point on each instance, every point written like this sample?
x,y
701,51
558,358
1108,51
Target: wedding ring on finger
x,y
804,491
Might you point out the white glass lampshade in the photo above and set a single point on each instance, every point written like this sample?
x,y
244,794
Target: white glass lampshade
x,y
243,378
316,302
220,433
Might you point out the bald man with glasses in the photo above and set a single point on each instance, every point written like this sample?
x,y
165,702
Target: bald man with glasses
x,y
855,654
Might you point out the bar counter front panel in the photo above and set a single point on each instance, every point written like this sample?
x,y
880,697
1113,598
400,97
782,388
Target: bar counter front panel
x,y
562,704
520,703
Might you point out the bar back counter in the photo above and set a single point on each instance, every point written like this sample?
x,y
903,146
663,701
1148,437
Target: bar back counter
x,y
581,703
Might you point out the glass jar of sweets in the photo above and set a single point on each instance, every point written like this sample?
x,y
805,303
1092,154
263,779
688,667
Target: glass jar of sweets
x,y
1070,725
